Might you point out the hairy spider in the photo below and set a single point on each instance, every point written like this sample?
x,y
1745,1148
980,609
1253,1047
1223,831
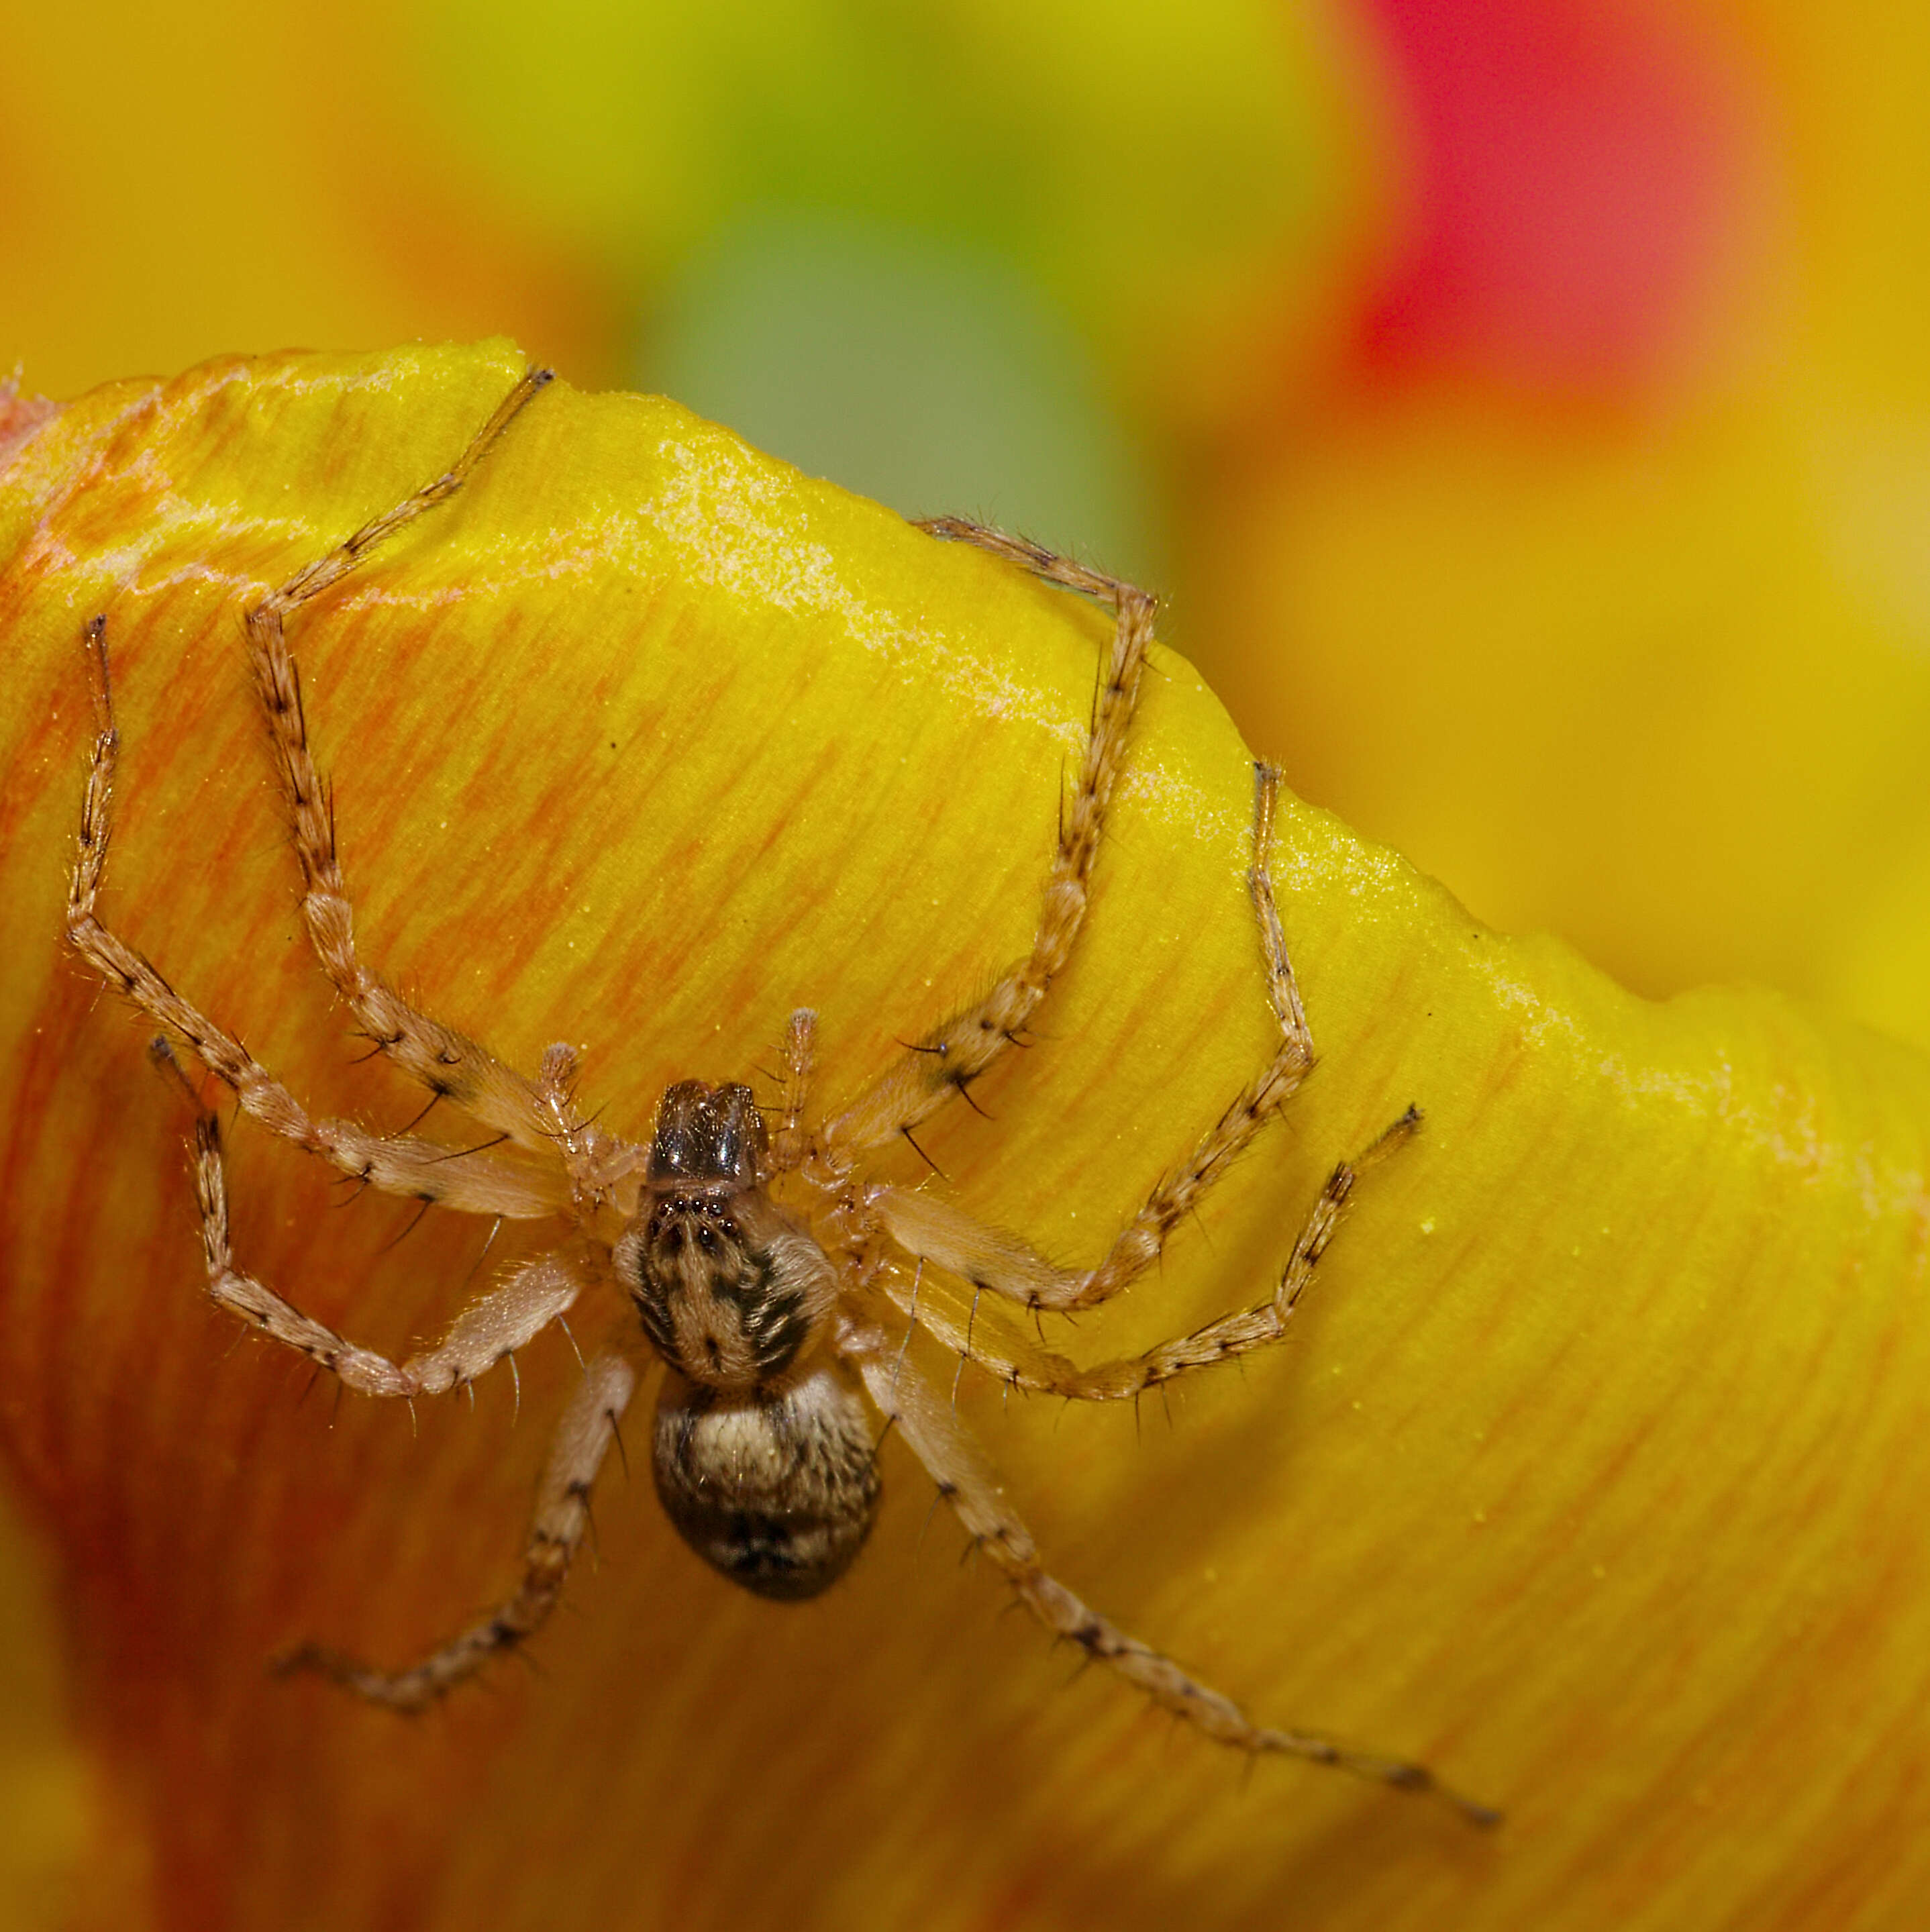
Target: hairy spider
x,y
768,1322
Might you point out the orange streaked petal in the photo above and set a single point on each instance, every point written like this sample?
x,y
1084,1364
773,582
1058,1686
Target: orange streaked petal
x,y
1590,1477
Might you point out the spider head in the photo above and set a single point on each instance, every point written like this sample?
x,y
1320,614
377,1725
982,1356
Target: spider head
x,y
711,1137
728,1288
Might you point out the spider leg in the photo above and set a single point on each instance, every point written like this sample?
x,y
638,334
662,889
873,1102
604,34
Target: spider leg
x,y
1140,1243
452,1066
954,1463
1043,1372
929,1228
399,1164
945,1061
559,1523
481,1335
791,1144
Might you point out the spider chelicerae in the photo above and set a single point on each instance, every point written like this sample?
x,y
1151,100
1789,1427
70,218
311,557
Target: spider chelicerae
x,y
772,1324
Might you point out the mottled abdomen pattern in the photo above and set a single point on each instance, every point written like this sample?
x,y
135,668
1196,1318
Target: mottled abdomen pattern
x,y
777,1493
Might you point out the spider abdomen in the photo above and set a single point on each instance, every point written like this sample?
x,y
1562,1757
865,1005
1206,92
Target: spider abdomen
x,y
778,1493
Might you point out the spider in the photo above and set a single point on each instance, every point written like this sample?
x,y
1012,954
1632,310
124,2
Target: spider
x,y
772,1324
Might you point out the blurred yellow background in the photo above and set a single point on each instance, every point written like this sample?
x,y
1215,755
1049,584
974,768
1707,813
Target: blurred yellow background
x,y
1524,401
1523,404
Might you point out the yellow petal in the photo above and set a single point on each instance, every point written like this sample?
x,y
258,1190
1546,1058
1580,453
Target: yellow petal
x,y
1590,1474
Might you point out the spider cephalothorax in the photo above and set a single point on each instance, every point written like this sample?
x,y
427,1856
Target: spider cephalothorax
x,y
773,1327
729,1288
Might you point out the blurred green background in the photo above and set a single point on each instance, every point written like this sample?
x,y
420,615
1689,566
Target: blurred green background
x,y
1523,402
